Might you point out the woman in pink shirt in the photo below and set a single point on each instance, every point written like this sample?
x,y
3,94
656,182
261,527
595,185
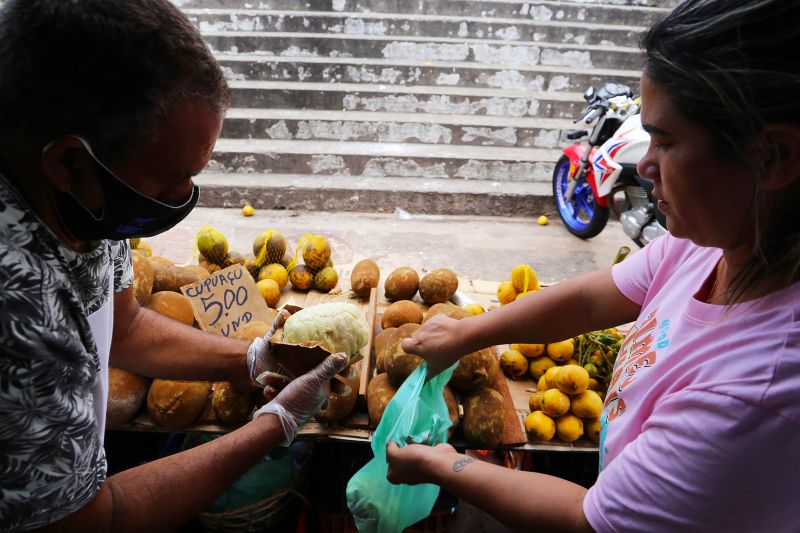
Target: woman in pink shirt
x,y
701,423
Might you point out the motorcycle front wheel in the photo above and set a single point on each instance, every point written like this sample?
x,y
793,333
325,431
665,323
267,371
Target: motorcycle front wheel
x,y
581,215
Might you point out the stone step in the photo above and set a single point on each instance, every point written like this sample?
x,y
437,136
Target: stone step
x,y
310,125
442,73
425,49
636,13
405,99
414,25
376,159
401,195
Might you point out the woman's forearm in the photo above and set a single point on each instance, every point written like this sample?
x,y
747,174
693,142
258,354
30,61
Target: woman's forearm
x,y
585,303
523,501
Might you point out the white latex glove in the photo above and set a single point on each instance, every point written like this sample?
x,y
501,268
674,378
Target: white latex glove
x,y
259,358
304,396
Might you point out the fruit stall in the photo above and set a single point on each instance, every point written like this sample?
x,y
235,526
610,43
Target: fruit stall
x,y
517,397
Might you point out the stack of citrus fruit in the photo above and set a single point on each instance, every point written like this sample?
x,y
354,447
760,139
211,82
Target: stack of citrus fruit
x,y
316,271
567,404
522,283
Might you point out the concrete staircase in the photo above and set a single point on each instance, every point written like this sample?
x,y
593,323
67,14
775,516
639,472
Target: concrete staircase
x,y
439,107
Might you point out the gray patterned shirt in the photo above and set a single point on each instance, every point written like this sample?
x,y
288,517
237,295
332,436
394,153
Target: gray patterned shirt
x,y
51,454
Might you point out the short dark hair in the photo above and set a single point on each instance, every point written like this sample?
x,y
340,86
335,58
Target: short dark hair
x,y
106,69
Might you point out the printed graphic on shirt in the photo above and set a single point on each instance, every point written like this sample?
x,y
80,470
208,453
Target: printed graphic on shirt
x,y
603,449
637,352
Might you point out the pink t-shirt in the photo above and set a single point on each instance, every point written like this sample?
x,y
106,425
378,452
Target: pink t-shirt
x,y
701,425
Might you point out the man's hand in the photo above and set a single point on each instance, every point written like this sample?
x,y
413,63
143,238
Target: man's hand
x,y
440,342
261,366
414,463
304,396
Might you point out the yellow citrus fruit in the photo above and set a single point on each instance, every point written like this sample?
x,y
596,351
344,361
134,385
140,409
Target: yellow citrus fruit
x,y
513,363
475,309
572,379
316,252
537,367
587,404
572,361
542,220
252,268
274,271
326,279
524,279
550,376
542,384
233,258
534,402
270,291
506,293
569,428
554,402
146,248
523,294
248,210
276,247
591,429
529,350
561,351
594,384
539,426
212,245
301,277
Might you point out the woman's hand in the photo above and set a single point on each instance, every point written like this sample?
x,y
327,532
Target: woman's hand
x,y
440,341
414,463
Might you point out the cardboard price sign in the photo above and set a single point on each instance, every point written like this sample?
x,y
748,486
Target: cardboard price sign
x,y
227,300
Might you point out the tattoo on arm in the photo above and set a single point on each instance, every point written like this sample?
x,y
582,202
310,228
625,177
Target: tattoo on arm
x,y
459,465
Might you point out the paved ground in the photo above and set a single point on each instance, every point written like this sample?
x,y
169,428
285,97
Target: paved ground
x,y
475,247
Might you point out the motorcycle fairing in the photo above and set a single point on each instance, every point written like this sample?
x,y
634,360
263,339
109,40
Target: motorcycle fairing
x,y
628,146
574,153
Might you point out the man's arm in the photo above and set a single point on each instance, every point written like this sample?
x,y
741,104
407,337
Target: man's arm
x,y
163,494
149,344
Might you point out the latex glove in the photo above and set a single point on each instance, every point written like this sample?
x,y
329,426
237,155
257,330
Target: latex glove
x,y
304,396
259,358
440,342
413,464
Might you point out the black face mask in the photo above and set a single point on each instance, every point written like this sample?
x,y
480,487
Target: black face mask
x,y
125,213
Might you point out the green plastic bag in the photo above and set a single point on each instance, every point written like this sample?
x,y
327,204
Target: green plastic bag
x,y
417,413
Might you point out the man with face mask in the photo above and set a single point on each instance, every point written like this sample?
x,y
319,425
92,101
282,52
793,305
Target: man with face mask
x,y
108,108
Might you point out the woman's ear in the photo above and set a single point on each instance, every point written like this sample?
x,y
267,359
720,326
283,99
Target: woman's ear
x,y
780,155
63,161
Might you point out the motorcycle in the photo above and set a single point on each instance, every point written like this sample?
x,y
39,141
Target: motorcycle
x,y
589,175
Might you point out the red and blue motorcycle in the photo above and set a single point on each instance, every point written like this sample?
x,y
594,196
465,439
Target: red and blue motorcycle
x,y
589,175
